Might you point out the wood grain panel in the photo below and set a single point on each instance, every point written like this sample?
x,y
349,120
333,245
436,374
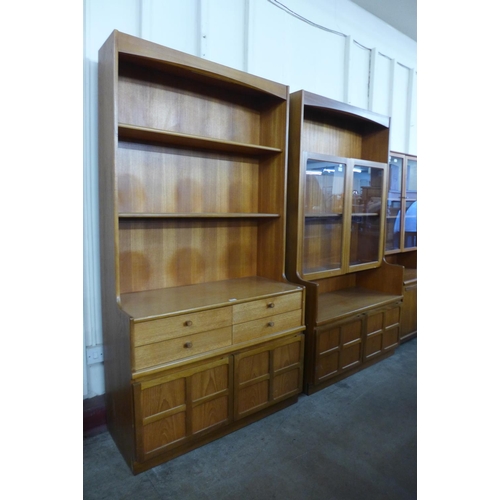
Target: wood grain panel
x,y
185,106
164,254
170,350
210,414
208,382
154,179
148,332
267,326
269,306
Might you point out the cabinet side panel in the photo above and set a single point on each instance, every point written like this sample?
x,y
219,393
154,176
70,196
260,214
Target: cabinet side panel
x,y
116,325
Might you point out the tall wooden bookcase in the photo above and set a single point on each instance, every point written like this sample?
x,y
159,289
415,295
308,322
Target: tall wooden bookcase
x,y
337,192
401,238
203,333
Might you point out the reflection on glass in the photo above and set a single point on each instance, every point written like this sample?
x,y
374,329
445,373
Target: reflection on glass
x,y
410,225
324,198
394,194
365,219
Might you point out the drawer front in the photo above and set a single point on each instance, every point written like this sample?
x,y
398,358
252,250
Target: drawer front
x,y
271,306
147,332
182,347
267,326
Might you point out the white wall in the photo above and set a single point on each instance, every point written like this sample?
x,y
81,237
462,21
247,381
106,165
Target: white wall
x,y
330,47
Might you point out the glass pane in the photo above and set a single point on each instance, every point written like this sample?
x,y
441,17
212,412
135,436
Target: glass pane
x,y
323,207
411,205
365,221
393,232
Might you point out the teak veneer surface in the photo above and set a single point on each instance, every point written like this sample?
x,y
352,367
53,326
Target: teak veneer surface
x,y
157,303
356,300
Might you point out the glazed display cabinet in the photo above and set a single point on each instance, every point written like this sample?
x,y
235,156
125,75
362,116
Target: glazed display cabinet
x,y
337,199
401,241
203,333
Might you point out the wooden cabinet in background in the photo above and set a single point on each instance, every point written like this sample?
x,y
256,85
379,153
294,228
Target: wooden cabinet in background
x,y
401,238
202,332
337,199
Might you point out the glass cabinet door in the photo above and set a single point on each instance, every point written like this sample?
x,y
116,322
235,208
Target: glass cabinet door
x,y
366,209
323,213
410,223
394,203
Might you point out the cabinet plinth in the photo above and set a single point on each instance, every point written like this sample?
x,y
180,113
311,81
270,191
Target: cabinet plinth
x,y
192,228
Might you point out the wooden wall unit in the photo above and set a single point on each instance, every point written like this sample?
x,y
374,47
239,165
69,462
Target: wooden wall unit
x,y
202,331
337,196
401,238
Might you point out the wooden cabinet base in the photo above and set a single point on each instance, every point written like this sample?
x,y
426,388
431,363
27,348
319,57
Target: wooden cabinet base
x,y
138,467
310,389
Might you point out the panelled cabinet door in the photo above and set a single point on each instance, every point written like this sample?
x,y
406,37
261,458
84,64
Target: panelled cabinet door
x,y
382,330
409,312
338,347
267,374
178,406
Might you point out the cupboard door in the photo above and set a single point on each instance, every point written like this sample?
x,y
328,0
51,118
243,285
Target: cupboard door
x,y
382,330
176,407
338,347
409,313
267,374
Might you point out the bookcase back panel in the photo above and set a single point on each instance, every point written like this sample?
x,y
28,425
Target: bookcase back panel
x,y
329,139
167,253
158,100
154,179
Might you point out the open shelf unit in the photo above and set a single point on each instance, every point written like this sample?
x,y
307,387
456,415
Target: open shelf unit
x,y
337,198
202,331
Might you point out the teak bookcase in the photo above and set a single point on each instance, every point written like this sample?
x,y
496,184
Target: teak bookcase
x,y
203,334
337,195
401,239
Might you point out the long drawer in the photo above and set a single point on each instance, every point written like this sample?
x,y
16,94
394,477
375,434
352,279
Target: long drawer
x,y
148,332
271,306
264,327
182,347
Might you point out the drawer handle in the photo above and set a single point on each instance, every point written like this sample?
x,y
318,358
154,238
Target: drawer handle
x,y
188,323
270,305
188,345
271,323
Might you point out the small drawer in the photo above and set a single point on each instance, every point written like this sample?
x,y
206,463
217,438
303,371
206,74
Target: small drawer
x,y
157,330
182,347
270,306
269,325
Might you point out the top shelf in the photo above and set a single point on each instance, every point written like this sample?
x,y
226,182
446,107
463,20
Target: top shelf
x,y
145,134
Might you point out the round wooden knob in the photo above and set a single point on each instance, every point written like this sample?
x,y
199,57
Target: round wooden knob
x,y
271,323
270,305
187,345
188,323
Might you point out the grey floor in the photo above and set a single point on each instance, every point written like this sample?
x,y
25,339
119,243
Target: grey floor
x,y
356,439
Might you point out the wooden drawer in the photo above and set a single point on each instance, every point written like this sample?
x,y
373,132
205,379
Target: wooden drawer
x,y
269,325
182,347
147,332
270,306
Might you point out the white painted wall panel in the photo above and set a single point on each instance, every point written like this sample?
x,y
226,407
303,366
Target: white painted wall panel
x,y
359,75
225,32
399,118
172,23
381,89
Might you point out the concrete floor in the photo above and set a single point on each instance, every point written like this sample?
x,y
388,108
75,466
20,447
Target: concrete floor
x,y
356,439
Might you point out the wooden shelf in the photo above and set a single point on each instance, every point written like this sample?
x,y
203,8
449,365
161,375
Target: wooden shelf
x,y
323,216
166,301
145,134
197,216
343,303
